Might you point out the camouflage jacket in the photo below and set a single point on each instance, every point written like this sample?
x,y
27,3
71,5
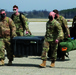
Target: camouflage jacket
x,y
18,23
53,31
7,28
64,25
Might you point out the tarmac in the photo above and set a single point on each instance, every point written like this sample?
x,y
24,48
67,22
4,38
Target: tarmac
x,y
30,65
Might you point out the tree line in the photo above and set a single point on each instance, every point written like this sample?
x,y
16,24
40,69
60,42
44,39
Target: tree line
x,y
68,13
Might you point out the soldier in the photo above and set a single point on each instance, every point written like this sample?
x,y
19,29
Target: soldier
x,y
20,21
53,34
74,27
7,32
74,21
63,24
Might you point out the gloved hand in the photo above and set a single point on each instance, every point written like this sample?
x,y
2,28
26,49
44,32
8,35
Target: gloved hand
x,y
56,41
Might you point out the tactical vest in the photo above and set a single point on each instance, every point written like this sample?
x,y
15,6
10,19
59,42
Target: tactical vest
x,y
4,28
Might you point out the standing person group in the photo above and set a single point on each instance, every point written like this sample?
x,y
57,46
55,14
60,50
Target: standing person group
x,y
10,28
56,30
53,35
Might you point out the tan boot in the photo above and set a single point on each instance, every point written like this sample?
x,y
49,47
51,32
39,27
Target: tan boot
x,y
2,62
9,63
43,65
52,63
14,56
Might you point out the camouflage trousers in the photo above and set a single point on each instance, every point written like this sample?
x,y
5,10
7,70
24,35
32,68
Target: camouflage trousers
x,y
5,44
2,49
53,46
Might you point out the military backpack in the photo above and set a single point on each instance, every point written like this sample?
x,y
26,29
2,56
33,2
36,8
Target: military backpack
x,y
20,17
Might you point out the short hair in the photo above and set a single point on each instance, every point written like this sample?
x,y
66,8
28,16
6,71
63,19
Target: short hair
x,y
15,6
56,11
2,10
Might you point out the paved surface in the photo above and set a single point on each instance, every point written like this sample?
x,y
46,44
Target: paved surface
x,y
39,28
30,65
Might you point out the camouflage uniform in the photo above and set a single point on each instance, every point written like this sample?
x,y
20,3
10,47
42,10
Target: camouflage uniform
x,y
7,31
64,26
53,32
18,23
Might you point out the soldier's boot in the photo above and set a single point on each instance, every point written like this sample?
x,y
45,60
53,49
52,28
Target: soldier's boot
x,y
52,64
9,63
14,56
43,65
2,62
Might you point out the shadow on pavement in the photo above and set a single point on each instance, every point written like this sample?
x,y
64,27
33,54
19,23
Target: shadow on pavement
x,y
23,65
63,60
35,58
59,60
48,59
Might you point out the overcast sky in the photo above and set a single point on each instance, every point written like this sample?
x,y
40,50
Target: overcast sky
x,y
29,5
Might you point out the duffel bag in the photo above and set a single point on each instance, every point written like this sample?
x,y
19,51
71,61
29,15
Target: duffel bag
x,y
67,45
